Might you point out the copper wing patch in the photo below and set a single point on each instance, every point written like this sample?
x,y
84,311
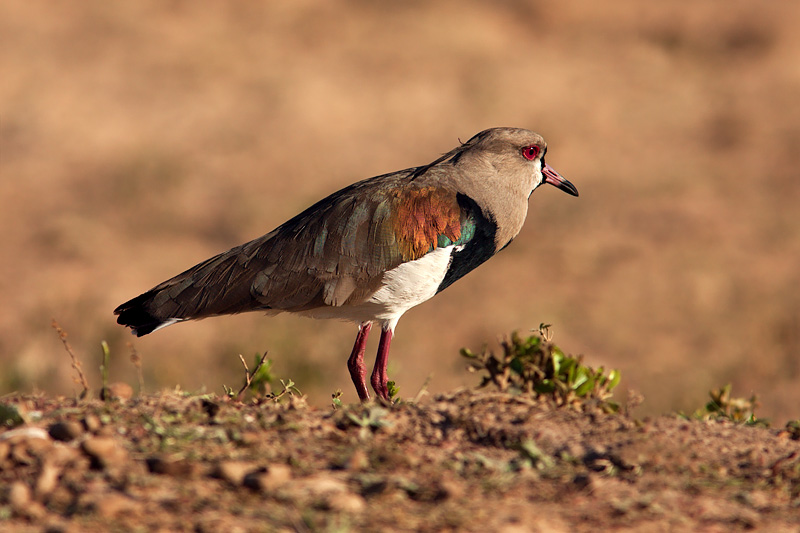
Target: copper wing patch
x,y
423,219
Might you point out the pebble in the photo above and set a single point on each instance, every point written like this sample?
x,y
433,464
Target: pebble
x,y
323,484
358,461
113,504
346,502
92,423
170,466
19,496
268,479
233,472
47,480
117,391
103,451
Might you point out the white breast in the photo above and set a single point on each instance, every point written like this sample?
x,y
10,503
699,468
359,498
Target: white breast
x,y
402,288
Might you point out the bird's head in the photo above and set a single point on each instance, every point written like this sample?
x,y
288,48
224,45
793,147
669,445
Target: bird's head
x,y
513,151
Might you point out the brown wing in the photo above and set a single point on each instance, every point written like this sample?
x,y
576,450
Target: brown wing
x,y
333,253
337,255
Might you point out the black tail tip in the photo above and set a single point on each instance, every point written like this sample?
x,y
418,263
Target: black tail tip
x,y
138,319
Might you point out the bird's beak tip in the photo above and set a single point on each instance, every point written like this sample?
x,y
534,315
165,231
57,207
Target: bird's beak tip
x,y
558,181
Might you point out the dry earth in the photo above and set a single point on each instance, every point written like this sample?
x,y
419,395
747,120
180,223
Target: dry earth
x,y
138,138
466,461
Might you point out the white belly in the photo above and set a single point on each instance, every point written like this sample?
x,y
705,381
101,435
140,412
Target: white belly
x,y
402,288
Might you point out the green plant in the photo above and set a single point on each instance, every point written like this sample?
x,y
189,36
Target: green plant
x,y
10,416
336,399
393,390
536,366
793,429
369,418
259,381
723,406
531,456
104,370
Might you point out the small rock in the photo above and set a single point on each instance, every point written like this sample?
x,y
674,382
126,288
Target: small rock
x,y
452,488
250,438
268,479
103,451
92,423
232,471
65,431
117,391
170,466
39,447
59,525
61,498
324,484
346,502
358,461
114,504
47,480
62,454
5,448
19,494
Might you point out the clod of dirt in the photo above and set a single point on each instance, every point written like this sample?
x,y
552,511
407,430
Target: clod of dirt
x,y
20,498
112,504
234,472
268,479
104,452
346,502
48,479
118,391
92,423
171,466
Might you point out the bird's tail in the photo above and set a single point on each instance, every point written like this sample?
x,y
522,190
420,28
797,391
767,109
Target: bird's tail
x,y
214,287
142,316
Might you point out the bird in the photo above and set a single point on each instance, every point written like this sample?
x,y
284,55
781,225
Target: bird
x,y
370,251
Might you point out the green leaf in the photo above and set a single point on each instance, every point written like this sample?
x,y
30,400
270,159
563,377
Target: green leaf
x,y
10,416
614,377
584,385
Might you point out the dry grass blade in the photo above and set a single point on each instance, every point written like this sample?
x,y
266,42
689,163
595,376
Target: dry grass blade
x,y
136,359
248,376
76,364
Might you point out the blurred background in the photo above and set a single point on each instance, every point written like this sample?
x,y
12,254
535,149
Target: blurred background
x,y
139,138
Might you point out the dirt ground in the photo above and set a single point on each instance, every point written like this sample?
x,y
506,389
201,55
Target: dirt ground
x,y
465,461
137,139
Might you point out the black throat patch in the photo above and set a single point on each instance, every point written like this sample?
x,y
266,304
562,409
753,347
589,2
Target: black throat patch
x,y
477,250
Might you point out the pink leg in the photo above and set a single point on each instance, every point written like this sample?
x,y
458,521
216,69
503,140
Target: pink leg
x,y
379,378
358,370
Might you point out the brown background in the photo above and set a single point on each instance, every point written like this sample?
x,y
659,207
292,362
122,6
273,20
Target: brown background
x,y
137,139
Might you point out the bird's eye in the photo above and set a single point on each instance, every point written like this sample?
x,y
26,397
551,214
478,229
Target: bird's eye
x,y
530,152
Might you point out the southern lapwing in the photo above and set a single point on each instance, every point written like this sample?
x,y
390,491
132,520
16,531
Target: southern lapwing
x,y
371,251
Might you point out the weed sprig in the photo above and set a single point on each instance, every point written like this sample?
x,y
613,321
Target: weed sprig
x,y
536,366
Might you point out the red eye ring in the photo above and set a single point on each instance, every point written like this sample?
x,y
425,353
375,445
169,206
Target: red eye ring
x,y
530,152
